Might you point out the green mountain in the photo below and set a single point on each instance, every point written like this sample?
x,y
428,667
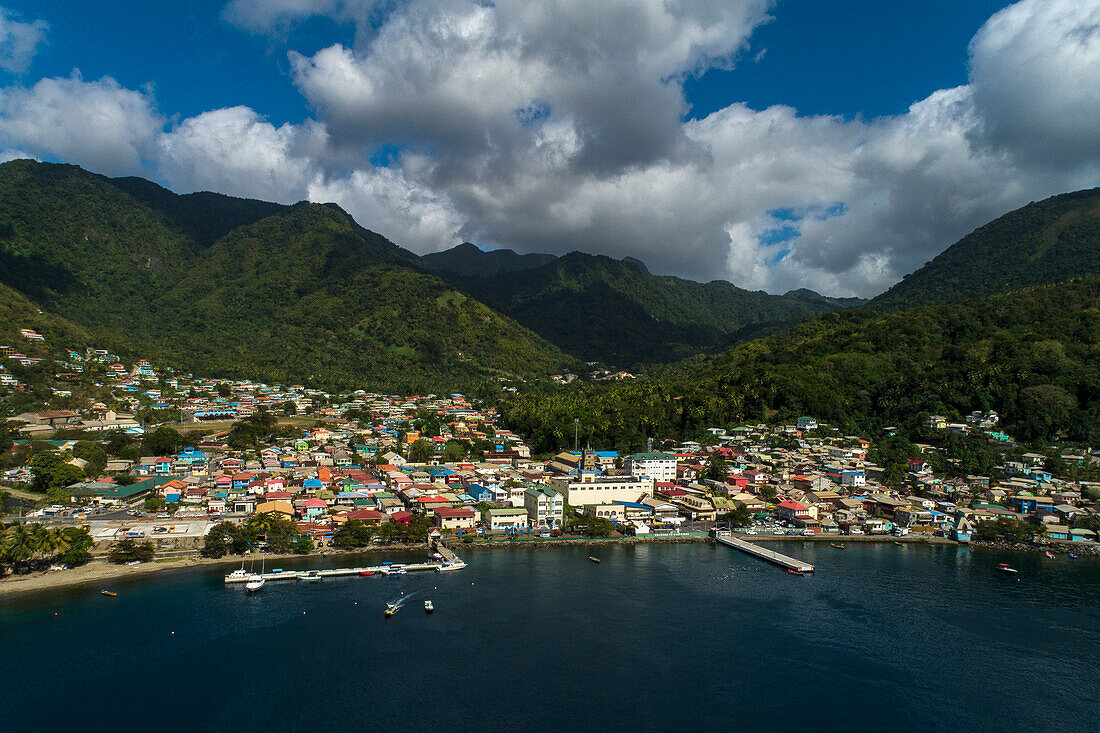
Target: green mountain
x,y
467,260
1032,355
601,309
229,286
1044,242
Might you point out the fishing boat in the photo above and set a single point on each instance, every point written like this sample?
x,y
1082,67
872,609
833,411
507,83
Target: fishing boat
x,y
1004,568
312,575
366,573
110,593
391,609
834,544
593,559
428,606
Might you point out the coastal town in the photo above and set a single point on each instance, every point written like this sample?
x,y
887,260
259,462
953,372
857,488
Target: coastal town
x,y
359,470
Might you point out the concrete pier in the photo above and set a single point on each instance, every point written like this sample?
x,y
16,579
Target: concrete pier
x,y
452,562
749,548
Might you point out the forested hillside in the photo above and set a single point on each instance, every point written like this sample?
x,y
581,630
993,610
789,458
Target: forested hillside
x,y
236,287
601,309
1044,242
1031,355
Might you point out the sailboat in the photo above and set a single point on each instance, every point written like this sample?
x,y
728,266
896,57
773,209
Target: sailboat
x,y
257,581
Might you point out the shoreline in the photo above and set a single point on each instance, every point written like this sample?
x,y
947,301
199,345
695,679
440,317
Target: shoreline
x,y
99,570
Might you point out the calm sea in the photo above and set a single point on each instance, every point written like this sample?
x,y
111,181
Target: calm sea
x,y
652,638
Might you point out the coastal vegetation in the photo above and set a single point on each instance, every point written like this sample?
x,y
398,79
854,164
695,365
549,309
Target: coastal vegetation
x,y
24,546
127,550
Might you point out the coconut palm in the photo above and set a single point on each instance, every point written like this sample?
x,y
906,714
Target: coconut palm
x,y
18,544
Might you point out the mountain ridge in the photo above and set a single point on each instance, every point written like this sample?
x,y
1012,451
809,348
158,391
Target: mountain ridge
x,y
1045,241
266,290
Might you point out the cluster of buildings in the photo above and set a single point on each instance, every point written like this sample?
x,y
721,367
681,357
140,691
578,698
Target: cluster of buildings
x,y
385,458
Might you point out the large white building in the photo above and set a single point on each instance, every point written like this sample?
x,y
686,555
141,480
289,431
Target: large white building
x,y
592,489
658,466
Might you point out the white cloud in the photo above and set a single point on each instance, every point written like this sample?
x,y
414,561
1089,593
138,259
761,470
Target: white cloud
x,y
237,152
383,201
558,126
19,41
1035,71
98,124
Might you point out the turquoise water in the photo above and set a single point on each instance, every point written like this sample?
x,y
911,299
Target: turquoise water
x,y
652,638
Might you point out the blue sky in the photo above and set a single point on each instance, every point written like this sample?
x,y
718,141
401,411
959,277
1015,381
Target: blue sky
x,y
876,58
774,143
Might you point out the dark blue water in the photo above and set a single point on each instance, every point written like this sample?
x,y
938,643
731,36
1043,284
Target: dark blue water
x,y
653,637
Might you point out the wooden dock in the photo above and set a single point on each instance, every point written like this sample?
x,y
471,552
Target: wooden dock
x,y
756,551
451,563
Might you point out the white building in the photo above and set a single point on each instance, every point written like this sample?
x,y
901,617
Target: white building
x,y
806,423
658,466
592,489
507,518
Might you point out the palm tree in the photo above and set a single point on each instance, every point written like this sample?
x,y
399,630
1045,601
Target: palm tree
x,y
18,544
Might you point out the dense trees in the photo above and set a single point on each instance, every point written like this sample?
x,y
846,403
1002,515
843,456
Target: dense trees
x,y
22,545
128,550
1033,356
233,287
1044,242
52,472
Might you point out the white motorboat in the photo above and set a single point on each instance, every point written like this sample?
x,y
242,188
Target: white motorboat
x,y
448,566
312,575
428,606
257,581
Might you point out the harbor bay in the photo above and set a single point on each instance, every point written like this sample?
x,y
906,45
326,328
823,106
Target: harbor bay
x,y
652,637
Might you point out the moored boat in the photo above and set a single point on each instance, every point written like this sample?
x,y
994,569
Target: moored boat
x,y
312,575
110,593
366,573
1004,568
1050,554
447,566
837,546
255,584
593,559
